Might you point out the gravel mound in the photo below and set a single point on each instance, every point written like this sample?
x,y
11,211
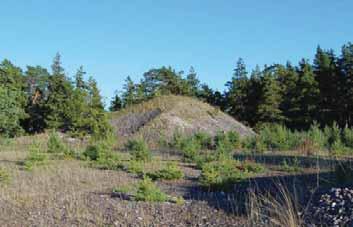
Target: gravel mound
x,y
160,118
332,208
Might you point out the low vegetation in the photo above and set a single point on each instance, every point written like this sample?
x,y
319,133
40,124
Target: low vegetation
x,y
147,191
170,172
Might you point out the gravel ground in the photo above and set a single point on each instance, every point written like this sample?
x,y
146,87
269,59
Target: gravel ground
x,y
333,207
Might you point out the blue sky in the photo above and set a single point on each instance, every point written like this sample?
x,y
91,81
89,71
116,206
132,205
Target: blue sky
x,y
113,39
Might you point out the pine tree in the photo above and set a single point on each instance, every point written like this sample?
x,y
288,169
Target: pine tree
x,y
346,72
270,98
192,82
59,97
37,92
116,103
128,95
325,68
237,92
308,96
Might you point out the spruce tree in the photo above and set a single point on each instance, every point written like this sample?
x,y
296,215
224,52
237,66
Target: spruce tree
x,y
59,97
237,92
270,99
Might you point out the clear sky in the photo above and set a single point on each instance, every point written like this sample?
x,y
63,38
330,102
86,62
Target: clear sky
x,y
113,39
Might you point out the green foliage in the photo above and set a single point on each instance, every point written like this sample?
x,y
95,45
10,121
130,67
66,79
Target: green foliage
x,y
147,191
254,144
348,137
35,157
55,144
224,173
316,135
190,148
11,112
170,172
291,168
203,139
135,167
139,150
4,176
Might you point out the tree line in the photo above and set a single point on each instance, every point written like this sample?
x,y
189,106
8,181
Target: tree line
x,y
34,100
293,95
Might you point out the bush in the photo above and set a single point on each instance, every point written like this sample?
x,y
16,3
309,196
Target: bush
x,y
348,137
203,139
96,151
233,138
317,136
109,161
139,150
190,149
278,137
254,143
333,134
171,172
36,157
177,141
224,173
135,167
55,144
4,176
147,191
223,144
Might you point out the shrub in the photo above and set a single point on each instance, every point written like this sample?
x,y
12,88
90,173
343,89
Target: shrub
x,y
253,167
139,150
278,137
190,149
234,138
36,157
348,137
317,136
204,139
177,140
254,143
147,191
4,176
291,168
338,148
223,143
135,167
55,144
97,151
333,134
170,172
111,161
224,173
